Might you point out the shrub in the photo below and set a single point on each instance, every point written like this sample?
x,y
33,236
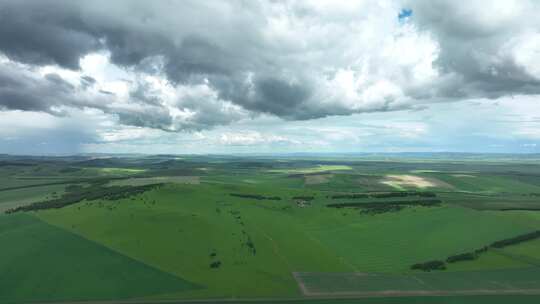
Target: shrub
x,y
517,239
383,208
467,256
429,266
305,198
350,196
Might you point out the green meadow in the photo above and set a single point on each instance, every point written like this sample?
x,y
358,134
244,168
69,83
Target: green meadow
x,y
288,230
40,262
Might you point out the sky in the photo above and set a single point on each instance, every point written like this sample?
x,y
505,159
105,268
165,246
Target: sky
x,y
329,76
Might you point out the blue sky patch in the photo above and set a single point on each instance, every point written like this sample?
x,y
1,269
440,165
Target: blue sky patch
x,y
404,14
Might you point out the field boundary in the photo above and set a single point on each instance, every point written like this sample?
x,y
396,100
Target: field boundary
x,y
407,293
262,300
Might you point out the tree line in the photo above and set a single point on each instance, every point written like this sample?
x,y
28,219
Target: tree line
x,y
429,265
384,195
475,254
256,196
76,193
517,239
427,202
304,198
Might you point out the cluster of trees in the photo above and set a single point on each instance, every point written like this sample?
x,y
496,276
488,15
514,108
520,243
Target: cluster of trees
x,y
368,205
251,246
429,266
519,209
384,195
517,239
75,194
350,196
305,198
467,256
215,263
403,194
247,241
383,208
473,255
256,196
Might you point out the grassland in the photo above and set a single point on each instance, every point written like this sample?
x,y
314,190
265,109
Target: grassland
x,y
42,263
192,239
457,282
178,227
390,242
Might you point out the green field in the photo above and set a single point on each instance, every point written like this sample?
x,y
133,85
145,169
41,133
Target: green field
x,y
220,228
350,283
44,263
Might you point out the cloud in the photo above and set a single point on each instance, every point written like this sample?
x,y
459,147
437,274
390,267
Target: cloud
x,y
149,104
23,89
192,65
44,33
282,58
487,48
253,138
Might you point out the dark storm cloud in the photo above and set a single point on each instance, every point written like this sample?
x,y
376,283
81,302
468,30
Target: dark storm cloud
x,y
270,95
21,90
62,31
479,43
44,32
197,57
142,92
278,96
150,117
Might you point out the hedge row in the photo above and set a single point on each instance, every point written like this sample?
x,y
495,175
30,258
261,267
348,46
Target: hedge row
x,y
516,240
305,198
256,196
429,266
427,202
384,195
469,256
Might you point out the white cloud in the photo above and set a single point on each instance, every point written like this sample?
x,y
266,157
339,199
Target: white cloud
x,y
251,138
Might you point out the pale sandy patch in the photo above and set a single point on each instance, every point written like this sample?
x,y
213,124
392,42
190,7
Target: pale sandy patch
x,y
462,175
398,181
141,181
